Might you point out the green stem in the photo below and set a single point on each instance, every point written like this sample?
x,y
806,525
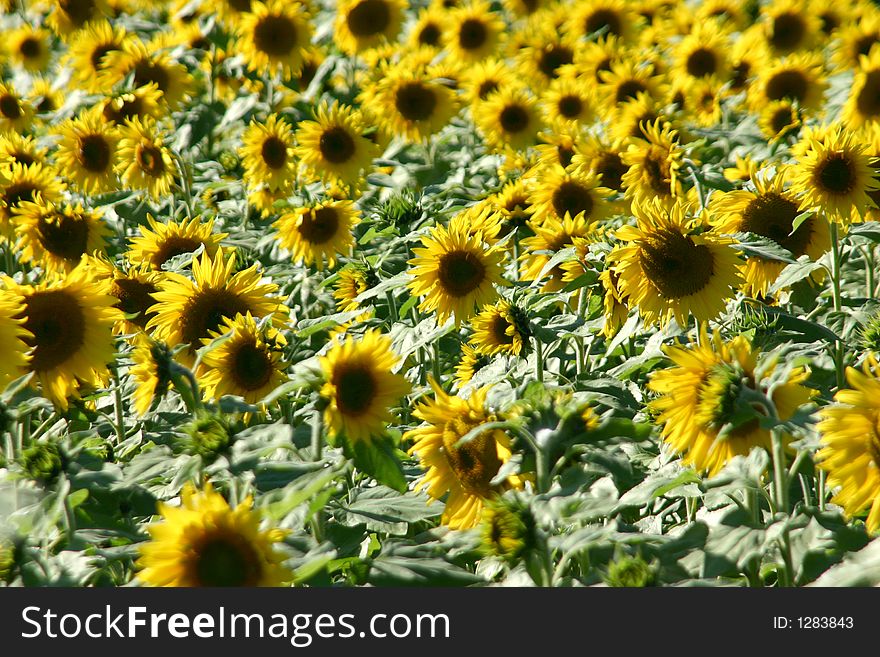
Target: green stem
x,y
780,476
539,361
392,307
118,408
837,300
317,434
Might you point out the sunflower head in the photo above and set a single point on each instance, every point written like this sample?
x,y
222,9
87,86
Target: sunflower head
x,y
274,36
207,435
507,528
313,234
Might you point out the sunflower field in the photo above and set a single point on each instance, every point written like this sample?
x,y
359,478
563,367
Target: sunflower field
x,y
439,293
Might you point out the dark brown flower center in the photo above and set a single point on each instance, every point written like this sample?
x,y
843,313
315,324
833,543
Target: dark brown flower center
x,y
147,71
55,320
487,87
172,246
476,462
629,89
226,561
836,174
430,35
572,198
658,173
275,35
241,6
472,34
274,152
65,236
78,11
498,330
205,312
135,299
336,145
740,75
119,109
30,48
251,366
570,106
788,84
830,21
514,119
604,18
149,159
415,101
701,62
355,388
18,192
612,168
10,107
782,118
553,57
97,56
94,153
460,273
368,18
788,32
320,225
674,264
772,215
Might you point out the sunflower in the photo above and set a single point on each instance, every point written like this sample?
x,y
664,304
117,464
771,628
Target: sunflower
x,y
69,326
273,36
353,281
568,102
87,152
605,159
144,161
669,271
601,17
471,362
550,236
558,193
133,287
698,399
360,386
29,47
615,306
728,13
12,338
473,32
267,153
141,103
264,198
512,206
333,147
483,78
654,165
45,98
850,450
248,364
16,113
410,103
160,242
508,119
20,183
86,55
834,174
704,101
796,77
464,471
187,311
855,39
146,63
546,56
863,104
790,25
430,28
501,327
559,148
742,170
626,79
779,119
24,150
205,542
703,52
56,238
769,211
151,372
364,24
315,233
455,271
66,17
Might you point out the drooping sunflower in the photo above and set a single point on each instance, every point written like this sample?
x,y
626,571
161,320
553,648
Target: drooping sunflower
x,y
790,25
142,103
248,364
502,327
410,103
769,211
551,235
151,372
187,311
797,77
12,338
364,24
273,36
20,183
669,271
654,165
66,17
455,271
87,152
557,193
56,238
863,104
333,147
69,324
473,31
360,386
29,47
267,153
144,161
147,63
698,396
834,174
319,232
86,55
205,542
16,113
850,452
463,471
509,119
162,241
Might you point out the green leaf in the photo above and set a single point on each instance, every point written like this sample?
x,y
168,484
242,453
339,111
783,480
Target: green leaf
x,y
378,458
383,509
